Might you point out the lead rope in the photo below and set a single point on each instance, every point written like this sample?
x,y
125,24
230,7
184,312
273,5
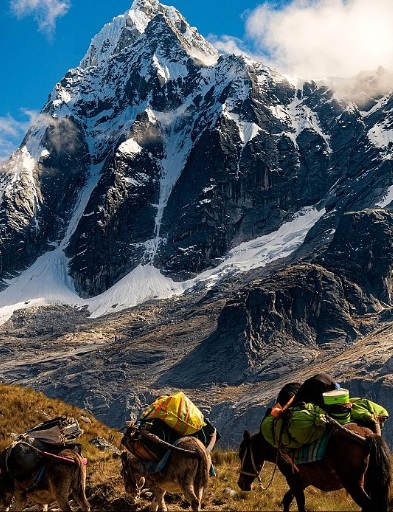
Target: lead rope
x,y
259,477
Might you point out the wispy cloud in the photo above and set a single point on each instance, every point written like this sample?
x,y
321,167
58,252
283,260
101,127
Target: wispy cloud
x,y
12,132
320,38
45,12
228,44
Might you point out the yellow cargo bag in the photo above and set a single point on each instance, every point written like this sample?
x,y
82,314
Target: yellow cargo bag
x,y
178,412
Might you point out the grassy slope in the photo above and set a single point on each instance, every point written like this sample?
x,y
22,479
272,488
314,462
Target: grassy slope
x,y
21,408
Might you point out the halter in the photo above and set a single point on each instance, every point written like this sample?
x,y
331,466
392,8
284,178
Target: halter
x,y
128,473
256,474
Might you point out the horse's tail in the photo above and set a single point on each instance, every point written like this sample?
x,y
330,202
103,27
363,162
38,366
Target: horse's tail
x,y
378,475
213,439
203,469
79,482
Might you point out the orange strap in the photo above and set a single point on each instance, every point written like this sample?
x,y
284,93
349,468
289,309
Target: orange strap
x,y
277,409
285,456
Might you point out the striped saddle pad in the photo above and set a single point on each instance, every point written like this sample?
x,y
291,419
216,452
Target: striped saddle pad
x,y
310,452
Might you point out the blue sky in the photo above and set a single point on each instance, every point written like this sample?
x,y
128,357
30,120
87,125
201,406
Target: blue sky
x,y
42,39
35,57
34,61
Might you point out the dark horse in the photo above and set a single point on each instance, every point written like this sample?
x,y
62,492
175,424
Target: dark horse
x,y
360,464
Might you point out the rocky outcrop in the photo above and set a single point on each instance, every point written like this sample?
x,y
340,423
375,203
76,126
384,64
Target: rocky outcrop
x,y
272,327
361,252
283,320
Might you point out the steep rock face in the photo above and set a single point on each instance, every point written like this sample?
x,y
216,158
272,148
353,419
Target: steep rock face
x,y
119,216
157,150
361,252
273,327
282,321
40,193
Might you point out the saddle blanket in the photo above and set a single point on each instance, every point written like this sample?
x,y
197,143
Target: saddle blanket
x,y
155,466
310,452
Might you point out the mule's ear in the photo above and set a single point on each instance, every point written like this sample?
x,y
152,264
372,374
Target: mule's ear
x,y
141,482
246,435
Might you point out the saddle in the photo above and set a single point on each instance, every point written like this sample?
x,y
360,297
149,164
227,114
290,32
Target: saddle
x,y
147,449
25,458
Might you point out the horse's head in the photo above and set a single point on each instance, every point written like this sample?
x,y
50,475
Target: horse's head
x,y
251,459
133,482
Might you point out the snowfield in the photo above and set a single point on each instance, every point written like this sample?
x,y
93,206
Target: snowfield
x,y
47,281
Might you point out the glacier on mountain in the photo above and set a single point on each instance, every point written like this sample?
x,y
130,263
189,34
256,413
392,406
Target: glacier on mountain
x,y
157,164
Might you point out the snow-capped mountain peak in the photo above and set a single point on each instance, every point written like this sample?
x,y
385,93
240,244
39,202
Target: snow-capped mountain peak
x,y
124,30
157,152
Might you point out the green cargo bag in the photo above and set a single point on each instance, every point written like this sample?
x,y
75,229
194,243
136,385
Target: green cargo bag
x,y
296,427
365,411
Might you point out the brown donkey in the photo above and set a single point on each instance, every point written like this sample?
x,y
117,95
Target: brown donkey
x,y
358,462
186,473
59,476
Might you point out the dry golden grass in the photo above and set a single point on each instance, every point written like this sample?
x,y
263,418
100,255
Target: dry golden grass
x,y
21,408
227,466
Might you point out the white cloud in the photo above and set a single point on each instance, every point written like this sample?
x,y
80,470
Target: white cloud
x,y
45,12
228,44
12,132
321,38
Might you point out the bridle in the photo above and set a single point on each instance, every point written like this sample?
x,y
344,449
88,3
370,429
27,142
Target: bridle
x,y
129,478
256,473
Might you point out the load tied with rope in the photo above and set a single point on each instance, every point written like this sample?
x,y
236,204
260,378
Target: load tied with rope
x,y
290,427
157,432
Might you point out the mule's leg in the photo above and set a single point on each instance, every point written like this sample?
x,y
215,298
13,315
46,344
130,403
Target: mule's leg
x,y
352,480
19,502
80,498
59,484
296,489
287,500
154,505
359,496
300,499
192,497
63,503
158,502
189,493
5,502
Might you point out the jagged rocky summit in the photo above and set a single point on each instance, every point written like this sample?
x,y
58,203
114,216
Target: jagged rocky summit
x,y
158,152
